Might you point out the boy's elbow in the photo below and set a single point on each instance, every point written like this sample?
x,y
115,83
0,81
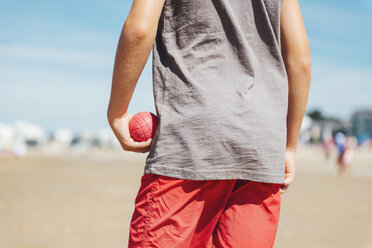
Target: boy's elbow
x,y
136,30
304,66
301,65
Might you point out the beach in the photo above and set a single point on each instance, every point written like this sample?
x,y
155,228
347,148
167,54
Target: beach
x,y
67,201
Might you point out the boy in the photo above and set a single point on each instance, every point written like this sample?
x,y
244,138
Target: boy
x,y
231,81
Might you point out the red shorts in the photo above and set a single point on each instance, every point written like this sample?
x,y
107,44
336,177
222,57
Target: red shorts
x,y
176,213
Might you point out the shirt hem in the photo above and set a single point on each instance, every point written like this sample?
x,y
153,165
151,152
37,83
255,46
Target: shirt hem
x,y
220,174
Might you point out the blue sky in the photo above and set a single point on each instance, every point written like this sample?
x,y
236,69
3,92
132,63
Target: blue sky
x,y
56,60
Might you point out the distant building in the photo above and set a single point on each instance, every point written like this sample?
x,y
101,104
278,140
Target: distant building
x,y
361,125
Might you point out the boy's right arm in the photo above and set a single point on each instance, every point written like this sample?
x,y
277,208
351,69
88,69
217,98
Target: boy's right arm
x,y
135,43
296,55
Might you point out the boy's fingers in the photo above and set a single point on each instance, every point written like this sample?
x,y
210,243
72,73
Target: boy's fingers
x,y
144,149
144,143
283,189
288,180
133,149
141,145
286,183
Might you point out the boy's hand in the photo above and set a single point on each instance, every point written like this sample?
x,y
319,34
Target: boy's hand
x,y
120,127
289,169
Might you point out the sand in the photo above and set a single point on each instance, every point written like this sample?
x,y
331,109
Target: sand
x,y
80,202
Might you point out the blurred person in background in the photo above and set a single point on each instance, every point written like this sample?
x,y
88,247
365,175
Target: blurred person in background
x,y
345,156
231,82
327,143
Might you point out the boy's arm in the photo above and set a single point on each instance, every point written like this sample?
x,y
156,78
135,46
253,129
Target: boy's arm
x,y
296,55
135,44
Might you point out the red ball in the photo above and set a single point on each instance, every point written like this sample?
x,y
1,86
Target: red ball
x,y
142,126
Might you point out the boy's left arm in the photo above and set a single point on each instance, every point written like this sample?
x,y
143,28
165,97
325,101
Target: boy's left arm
x,y
135,44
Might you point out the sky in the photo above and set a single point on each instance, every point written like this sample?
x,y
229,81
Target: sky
x,y
56,60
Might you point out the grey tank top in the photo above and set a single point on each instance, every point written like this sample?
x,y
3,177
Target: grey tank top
x,y
221,91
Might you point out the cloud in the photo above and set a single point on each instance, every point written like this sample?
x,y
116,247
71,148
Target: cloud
x,y
339,90
54,97
340,48
339,31
56,61
55,55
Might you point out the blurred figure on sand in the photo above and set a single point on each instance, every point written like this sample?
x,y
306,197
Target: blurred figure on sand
x,y
327,143
345,153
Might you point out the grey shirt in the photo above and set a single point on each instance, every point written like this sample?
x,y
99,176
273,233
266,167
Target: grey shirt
x,y
221,91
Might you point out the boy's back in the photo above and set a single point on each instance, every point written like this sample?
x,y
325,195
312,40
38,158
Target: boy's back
x,y
221,91
230,96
